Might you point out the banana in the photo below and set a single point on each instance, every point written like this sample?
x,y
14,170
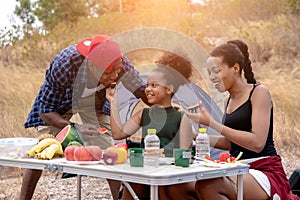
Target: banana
x,y
50,151
31,152
44,144
41,146
45,135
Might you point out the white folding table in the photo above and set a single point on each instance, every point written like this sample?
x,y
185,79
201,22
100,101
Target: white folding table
x,y
163,175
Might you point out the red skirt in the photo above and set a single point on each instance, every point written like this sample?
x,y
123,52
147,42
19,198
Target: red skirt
x,y
272,168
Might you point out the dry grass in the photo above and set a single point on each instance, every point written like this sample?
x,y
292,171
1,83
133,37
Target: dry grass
x,y
18,88
284,84
273,40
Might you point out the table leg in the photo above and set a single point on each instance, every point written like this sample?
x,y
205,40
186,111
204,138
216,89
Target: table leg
x,y
135,197
154,192
78,187
240,187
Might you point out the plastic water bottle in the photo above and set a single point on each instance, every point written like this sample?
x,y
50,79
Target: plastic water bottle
x,y
152,149
202,144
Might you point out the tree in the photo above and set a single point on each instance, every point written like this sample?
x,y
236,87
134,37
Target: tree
x,y
53,12
25,13
99,7
295,5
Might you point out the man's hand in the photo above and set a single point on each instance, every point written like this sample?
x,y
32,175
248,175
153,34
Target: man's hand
x,y
87,130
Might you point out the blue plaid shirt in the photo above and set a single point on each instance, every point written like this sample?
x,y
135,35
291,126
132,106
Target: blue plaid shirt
x,y
65,81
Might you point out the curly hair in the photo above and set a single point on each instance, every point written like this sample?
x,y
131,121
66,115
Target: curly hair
x,y
176,62
176,69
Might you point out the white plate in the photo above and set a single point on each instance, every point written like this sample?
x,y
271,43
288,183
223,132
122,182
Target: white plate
x,y
221,165
83,162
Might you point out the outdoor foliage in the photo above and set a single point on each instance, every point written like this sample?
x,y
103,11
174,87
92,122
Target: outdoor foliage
x,y
270,27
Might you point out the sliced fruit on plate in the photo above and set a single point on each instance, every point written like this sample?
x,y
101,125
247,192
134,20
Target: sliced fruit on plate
x,y
224,158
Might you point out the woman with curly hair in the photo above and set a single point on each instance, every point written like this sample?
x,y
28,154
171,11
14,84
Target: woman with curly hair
x,y
173,127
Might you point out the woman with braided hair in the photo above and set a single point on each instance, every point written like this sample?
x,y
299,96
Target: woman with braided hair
x,y
247,127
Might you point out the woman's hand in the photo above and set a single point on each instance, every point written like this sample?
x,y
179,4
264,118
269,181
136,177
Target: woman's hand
x,y
202,117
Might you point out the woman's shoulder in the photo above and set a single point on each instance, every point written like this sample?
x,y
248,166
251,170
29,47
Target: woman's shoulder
x,y
261,92
261,89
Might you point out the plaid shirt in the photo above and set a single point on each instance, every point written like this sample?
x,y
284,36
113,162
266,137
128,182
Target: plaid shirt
x,y
65,81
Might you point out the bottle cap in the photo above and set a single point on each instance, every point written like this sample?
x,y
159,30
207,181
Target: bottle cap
x,y
202,130
151,131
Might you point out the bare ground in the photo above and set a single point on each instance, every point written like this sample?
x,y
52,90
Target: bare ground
x,y
52,187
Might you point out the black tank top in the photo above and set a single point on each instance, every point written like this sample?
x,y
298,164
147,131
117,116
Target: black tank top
x,y
240,119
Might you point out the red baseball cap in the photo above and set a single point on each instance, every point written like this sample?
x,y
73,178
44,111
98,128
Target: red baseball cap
x,y
102,51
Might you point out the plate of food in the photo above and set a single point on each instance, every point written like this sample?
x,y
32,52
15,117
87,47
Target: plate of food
x,y
225,160
220,164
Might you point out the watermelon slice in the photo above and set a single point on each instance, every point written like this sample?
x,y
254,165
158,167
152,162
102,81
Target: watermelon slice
x,y
67,135
113,85
224,156
102,130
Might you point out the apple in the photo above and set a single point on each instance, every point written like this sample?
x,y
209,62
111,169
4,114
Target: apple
x,y
122,154
110,157
69,152
81,153
95,151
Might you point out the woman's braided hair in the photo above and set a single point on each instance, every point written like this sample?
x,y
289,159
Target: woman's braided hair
x,y
236,51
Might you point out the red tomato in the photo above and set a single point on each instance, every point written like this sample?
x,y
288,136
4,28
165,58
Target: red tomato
x,y
232,159
224,156
122,145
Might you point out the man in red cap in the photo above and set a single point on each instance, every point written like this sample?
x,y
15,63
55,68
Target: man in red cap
x,y
75,83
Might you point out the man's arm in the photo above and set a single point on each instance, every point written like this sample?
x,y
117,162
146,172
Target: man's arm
x,y
54,119
133,81
59,79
